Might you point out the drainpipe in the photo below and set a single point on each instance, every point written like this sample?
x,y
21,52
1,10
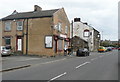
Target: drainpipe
x,y
27,38
72,36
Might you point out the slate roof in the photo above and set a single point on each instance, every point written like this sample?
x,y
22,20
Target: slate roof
x,y
33,14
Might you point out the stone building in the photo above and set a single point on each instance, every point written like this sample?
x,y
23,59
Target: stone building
x,y
87,33
78,43
40,32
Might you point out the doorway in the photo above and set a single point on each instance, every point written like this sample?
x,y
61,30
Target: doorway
x,y
19,43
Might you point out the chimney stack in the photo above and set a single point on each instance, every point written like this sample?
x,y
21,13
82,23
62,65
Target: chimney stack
x,y
77,19
37,8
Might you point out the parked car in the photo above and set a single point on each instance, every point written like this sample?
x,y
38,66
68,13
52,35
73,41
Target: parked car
x,y
102,49
5,50
82,52
119,48
109,48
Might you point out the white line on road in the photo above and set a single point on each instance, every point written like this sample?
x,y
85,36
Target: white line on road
x,y
93,59
82,64
57,76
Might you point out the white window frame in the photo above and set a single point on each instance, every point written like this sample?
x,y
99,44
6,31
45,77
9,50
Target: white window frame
x,y
86,33
59,27
19,27
66,29
7,26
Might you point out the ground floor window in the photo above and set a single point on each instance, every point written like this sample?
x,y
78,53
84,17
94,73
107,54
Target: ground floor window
x,y
60,45
7,40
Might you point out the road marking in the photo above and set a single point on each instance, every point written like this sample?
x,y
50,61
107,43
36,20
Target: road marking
x,y
82,64
14,68
57,76
94,59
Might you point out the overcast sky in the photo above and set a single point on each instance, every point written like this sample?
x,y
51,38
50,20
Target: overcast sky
x,y
101,14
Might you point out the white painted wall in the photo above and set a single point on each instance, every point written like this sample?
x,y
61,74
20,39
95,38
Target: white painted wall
x,y
78,30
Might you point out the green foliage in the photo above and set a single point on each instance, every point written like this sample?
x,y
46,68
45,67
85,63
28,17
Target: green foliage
x,y
107,44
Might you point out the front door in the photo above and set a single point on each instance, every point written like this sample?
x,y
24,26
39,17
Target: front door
x,y
19,43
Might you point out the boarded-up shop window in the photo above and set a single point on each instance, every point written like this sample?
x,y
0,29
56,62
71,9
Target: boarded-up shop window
x,y
48,41
60,43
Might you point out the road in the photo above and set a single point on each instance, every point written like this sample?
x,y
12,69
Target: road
x,y
97,66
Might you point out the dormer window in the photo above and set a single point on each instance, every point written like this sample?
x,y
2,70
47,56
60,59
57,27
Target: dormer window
x,y
86,33
20,25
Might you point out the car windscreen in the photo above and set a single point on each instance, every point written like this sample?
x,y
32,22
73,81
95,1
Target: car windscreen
x,y
8,47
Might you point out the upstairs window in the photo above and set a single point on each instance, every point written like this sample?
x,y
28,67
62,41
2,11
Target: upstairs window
x,y
86,33
59,27
66,29
20,25
98,35
8,26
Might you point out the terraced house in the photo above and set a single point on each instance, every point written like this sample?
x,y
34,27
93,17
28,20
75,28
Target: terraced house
x,y
39,32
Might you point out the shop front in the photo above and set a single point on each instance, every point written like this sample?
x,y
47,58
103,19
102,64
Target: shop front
x,y
60,41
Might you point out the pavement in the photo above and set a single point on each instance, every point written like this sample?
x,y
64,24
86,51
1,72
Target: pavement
x,y
19,61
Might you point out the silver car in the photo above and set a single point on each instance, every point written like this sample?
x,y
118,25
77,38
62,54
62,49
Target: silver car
x,y
5,51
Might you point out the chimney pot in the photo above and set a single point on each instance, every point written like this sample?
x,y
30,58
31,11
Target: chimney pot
x,y
37,8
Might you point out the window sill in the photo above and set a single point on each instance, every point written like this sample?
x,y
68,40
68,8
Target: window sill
x,y
7,31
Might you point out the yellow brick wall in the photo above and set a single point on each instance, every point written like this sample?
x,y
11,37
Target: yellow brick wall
x,y
60,16
38,29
